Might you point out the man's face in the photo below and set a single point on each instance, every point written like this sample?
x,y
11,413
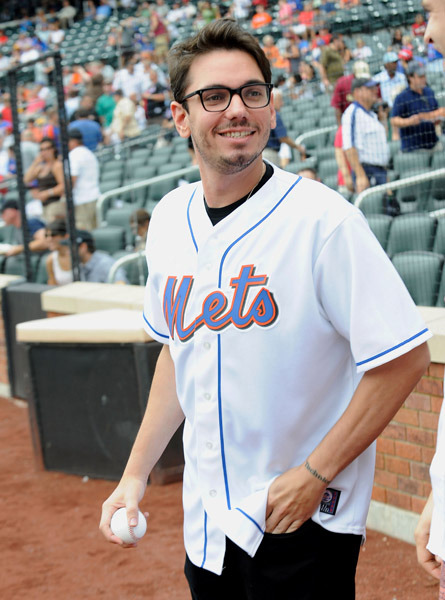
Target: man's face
x,y
435,31
9,215
391,68
231,140
417,82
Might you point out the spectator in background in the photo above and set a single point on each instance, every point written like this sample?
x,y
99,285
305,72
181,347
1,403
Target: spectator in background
x,y
418,28
309,173
90,130
331,62
72,102
279,135
45,178
391,81
327,7
127,80
103,11
85,180
416,111
364,137
361,51
95,265
58,263
273,54
56,34
155,99
139,223
29,149
66,14
123,124
341,97
261,18
13,235
106,104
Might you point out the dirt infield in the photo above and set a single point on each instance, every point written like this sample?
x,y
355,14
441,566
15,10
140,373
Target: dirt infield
x,y
51,548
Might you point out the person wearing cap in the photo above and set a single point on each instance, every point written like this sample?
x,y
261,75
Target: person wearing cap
x,y
364,137
391,81
91,131
95,265
341,97
416,111
13,234
430,531
84,168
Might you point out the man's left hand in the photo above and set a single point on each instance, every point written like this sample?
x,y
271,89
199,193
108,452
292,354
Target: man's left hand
x,y
292,500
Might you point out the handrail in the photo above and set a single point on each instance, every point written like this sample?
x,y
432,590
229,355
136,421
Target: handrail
x,y
399,183
122,261
100,207
314,133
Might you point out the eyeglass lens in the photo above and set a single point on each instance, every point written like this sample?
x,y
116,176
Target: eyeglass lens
x,y
253,96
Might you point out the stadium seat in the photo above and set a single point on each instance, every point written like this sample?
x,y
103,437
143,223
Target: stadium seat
x,y
109,239
421,273
439,238
372,205
406,162
380,226
120,217
327,168
411,232
157,190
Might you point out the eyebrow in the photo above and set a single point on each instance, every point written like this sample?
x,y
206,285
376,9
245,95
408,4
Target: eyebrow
x,y
222,85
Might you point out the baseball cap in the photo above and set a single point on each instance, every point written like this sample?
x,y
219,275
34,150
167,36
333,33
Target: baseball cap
x,y
82,235
405,54
10,204
75,134
359,82
415,68
390,57
361,69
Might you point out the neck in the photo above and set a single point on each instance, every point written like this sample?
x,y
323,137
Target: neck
x,y
222,190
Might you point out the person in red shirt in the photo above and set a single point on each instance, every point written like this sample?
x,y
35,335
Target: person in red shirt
x,y
418,28
341,96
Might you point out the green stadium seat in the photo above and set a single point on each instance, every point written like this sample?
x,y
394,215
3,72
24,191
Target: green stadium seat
x,y
439,238
327,168
407,162
411,232
109,239
372,204
120,217
421,273
380,226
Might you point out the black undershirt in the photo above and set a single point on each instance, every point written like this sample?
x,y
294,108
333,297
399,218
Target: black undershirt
x,y
218,214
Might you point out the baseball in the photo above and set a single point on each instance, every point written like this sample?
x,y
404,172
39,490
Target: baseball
x,y
119,526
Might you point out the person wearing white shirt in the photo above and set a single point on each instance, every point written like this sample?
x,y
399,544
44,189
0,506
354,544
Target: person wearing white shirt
x,y
84,168
364,137
127,80
391,81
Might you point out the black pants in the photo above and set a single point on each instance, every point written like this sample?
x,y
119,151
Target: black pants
x,y
308,564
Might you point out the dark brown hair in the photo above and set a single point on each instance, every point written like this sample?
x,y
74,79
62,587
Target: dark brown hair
x,y
222,34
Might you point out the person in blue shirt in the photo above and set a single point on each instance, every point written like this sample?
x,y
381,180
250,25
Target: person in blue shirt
x,y
416,111
90,129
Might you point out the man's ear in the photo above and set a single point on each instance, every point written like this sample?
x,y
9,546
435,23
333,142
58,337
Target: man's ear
x,y
180,117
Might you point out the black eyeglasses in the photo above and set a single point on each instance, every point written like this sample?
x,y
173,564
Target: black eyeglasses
x,y
218,99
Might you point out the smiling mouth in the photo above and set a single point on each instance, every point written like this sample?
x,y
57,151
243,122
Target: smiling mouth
x,y
237,134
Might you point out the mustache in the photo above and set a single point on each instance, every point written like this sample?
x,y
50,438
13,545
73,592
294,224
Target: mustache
x,y
243,123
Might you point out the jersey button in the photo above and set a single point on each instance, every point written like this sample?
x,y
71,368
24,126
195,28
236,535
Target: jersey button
x,y
207,396
212,493
206,345
209,445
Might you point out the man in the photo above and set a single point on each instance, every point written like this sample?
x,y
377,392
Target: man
x,y
90,130
341,98
154,97
94,264
416,111
84,168
430,530
391,81
106,104
13,235
364,137
331,62
264,352
123,124
278,135
139,223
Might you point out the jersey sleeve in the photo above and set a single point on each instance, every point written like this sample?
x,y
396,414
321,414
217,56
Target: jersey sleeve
x,y
364,298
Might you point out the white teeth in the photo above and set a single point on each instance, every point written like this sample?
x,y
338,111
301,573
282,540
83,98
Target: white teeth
x,y
236,134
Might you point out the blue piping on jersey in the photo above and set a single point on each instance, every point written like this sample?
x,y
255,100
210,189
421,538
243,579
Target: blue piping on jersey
x,y
353,119
221,431
250,519
188,219
153,329
205,540
393,348
254,227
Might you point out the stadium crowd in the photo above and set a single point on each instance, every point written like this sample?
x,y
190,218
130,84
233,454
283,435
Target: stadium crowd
x,y
116,97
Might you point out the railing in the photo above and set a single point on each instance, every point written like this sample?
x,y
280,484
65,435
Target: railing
x,y
314,133
138,257
400,183
103,201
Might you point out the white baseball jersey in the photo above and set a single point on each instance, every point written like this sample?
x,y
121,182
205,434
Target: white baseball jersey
x,y
436,543
271,316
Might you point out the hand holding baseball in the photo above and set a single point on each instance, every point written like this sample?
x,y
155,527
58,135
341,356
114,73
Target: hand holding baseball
x,y
128,494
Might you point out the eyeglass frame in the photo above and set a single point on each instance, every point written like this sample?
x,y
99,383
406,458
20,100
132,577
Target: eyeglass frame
x,y
232,92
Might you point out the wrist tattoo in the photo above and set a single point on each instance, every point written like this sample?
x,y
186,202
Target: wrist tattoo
x,y
316,474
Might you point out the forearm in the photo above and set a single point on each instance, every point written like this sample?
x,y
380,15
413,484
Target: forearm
x,y
162,418
401,123
377,398
352,157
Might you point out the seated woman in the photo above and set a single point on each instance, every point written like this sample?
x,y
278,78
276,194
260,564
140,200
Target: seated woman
x,y
45,178
58,263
